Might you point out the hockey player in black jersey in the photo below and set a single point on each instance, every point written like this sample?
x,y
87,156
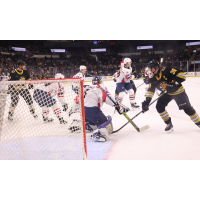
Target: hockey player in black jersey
x,y
20,89
169,80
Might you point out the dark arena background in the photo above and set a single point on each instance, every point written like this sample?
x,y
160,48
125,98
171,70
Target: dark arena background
x,y
44,58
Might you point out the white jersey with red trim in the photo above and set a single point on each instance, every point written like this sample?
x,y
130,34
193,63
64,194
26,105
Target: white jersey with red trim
x,y
115,75
80,75
54,89
95,97
4,78
124,74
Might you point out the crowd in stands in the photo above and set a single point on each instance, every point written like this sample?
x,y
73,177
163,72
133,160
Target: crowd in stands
x,y
103,64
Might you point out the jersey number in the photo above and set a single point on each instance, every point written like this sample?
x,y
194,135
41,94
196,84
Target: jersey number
x,y
173,71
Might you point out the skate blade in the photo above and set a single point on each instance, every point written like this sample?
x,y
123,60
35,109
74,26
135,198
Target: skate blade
x,y
100,139
135,108
144,128
170,131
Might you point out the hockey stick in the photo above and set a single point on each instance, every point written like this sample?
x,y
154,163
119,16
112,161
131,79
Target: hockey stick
x,y
145,127
140,85
125,115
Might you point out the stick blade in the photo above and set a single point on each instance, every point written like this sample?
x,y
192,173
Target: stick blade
x,y
144,128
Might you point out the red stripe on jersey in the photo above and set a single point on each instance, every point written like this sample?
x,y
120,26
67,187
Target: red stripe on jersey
x,y
103,96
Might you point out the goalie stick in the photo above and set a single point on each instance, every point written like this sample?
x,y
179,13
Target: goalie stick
x,y
145,127
125,115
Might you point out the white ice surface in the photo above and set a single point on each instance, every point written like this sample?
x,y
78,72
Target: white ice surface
x,y
155,143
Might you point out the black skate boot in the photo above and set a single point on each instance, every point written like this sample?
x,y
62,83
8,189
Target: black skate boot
x,y
62,121
47,120
198,124
134,106
10,116
33,114
169,127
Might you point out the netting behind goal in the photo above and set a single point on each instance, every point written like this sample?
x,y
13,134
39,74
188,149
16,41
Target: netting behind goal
x,y
41,120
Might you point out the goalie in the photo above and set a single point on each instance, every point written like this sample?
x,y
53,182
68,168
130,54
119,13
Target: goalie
x,y
44,96
94,98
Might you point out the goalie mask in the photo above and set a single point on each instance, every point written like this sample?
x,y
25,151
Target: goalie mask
x,y
97,79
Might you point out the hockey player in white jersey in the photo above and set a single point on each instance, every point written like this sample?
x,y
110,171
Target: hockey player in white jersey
x,y
4,77
94,98
75,87
44,96
80,75
123,82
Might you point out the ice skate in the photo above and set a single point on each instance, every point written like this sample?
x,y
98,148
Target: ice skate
x,y
169,127
33,114
134,106
98,137
75,126
10,118
62,121
47,120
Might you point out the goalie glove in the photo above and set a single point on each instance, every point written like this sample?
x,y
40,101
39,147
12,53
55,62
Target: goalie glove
x,y
121,108
65,107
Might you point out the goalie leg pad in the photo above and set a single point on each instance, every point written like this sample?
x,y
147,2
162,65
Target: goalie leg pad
x,y
90,128
103,131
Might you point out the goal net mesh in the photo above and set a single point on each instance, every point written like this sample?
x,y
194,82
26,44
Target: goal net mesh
x,y
42,120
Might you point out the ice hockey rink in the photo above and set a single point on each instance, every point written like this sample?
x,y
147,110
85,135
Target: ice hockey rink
x,y
154,143
126,144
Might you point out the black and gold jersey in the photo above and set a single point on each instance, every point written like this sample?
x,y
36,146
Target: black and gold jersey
x,y
166,75
16,75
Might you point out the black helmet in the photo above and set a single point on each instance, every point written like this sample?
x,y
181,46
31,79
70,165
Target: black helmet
x,y
154,64
21,62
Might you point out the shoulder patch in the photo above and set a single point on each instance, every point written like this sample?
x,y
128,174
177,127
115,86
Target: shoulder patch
x,y
13,71
163,69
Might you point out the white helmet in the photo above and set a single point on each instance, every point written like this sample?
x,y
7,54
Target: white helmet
x,y
83,67
127,60
59,75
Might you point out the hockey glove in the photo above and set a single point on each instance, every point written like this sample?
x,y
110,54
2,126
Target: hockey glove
x,y
171,87
114,80
145,106
121,108
65,107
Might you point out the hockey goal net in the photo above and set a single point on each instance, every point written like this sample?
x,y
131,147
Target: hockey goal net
x,y
36,120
